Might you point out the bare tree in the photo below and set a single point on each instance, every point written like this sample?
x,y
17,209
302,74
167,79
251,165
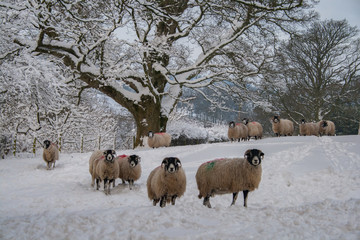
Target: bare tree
x,y
319,72
145,73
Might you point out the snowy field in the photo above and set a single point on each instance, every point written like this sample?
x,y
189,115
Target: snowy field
x,y
310,189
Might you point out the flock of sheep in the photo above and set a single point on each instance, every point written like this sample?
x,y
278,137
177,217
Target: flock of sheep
x,y
168,181
281,127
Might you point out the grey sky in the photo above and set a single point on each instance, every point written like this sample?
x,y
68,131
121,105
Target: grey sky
x,y
340,9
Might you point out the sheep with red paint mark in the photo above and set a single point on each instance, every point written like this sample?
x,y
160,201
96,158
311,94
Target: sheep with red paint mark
x,y
254,129
230,175
156,140
166,182
129,169
104,168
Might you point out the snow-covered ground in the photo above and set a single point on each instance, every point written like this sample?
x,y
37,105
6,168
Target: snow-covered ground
x,y
310,189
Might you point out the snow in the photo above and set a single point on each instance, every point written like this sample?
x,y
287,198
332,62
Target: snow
x,y
310,189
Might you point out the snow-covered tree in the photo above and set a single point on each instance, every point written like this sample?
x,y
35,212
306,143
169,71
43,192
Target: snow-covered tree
x,y
319,73
143,53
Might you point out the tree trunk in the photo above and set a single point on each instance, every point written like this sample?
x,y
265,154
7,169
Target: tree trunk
x,y
148,117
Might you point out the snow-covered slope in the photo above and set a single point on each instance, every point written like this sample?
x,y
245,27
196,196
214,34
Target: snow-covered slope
x,y
310,189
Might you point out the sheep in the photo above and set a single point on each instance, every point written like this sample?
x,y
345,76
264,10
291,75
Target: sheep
x,y
166,182
233,132
50,154
308,129
282,127
326,127
254,129
105,169
95,155
129,169
156,140
230,175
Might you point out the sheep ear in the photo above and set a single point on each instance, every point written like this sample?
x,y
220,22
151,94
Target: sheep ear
x,y
262,155
247,154
164,162
113,152
178,162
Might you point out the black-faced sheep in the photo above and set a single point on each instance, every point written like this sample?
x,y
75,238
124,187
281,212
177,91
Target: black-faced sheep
x,y
282,127
166,182
326,127
308,129
129,169
105,169
230,175
254,129
156,140
50,154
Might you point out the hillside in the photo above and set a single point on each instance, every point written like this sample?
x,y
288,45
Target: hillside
x,y
310,189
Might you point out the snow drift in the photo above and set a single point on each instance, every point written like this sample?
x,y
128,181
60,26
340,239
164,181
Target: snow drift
x,y
310,189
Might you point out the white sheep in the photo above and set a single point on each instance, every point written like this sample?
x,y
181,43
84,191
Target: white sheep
x,y
230,175
254,129
282,127
129,169
166,182
50,154
105,169
326,127
308,129
156,140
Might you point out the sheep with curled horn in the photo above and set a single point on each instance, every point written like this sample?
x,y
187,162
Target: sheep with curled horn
x,y
166,182
230,175
281,126
156,140
50,154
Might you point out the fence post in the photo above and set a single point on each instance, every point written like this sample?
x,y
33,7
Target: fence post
x,y
99,146
82,144
14,147
34,146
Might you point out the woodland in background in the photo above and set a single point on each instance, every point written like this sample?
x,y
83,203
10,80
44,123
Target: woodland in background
x,y
68,72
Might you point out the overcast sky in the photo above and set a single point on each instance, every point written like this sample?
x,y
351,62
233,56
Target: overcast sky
x,y
340,9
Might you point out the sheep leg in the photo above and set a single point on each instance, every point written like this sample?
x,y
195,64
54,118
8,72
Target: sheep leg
x,y
163,201
106,186
155,201
131,184
113,183
235,195
173,198
97,184
245,192
207,201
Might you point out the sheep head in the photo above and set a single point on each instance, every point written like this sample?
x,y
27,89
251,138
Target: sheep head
x,y
275,119
47,144
109,155
254,156
231,124
150,134
134,160
245,121
303,121
171,164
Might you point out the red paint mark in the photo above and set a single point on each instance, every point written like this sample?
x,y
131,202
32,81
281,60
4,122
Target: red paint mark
x,y
160,133
122,156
